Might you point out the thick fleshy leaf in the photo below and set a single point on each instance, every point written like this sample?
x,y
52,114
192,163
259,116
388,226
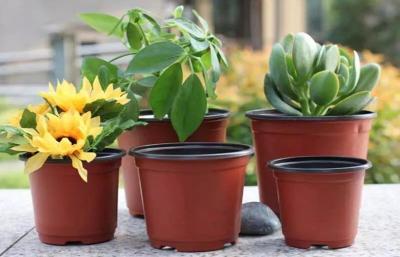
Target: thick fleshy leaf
x,y
287,43
155,57
91,67
351,104
279,71
134,36
305,52
354,73
189,107
332,58
369,76
324,87
275,100
163,93
103,23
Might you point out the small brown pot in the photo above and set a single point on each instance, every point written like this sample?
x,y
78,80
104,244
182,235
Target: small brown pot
x,y
213,129
319,199
192,193
278,135
69,210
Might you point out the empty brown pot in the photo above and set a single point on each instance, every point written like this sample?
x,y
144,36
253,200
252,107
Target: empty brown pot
x,y
277,135
69,210
192,193
319,199
213,129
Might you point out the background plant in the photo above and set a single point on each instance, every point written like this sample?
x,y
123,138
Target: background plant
x,y
158,53
312,80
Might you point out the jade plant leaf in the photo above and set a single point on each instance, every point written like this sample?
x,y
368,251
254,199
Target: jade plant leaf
x,y
155,58
304,54
103,23
287,43
279,71
275,100
189,107
163,93
354,73
351,104
332,58
324,87
369,76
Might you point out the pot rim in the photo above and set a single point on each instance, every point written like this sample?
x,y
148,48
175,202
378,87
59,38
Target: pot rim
x,y
273,114
213,114
107,154
348,164
232,151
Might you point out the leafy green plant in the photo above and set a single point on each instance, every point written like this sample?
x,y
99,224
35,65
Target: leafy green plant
x,y
158,53
307,79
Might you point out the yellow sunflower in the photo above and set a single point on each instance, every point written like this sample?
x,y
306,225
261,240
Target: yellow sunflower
x,y
67,97
61,136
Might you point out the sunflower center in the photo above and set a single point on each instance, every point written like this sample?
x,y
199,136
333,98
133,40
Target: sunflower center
x,y
71,139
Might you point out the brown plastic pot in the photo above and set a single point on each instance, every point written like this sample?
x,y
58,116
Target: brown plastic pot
x,y
277,135
192,193
69,210
319,199
213,129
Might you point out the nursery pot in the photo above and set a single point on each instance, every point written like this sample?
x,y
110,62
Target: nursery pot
x,y
69,210
192,193
213,129
278,135
319,199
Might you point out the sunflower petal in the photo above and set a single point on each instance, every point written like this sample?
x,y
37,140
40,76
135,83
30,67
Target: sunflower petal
x,y
24,148
77,164
35,162
86,156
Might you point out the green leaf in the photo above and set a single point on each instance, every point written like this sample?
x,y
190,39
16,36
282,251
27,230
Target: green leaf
x,y
351,104
305,52
324,87
155,57
279,71
287,43
28,119
163,93
332,58
178,11
221,56
148,81
103,23
104,77
369,76
131,109
202,21
104,108
189,107
134,36
199,45
274,99
188,26
216,69
354,73
320,62
91,68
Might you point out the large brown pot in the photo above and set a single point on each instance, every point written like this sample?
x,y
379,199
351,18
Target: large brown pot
x,y
213,129
319,199
192,193
278,135
69,210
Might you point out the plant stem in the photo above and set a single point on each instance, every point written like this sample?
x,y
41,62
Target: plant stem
x,y
121,56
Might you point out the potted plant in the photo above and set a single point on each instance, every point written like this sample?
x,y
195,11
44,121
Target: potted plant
x,y
158,54
319,199
73,176
318,93
192,193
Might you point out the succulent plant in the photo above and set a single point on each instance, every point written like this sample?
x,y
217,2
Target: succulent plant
x,y
307,79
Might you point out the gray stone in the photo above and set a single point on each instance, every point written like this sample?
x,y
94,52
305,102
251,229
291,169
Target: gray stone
x,y
258,219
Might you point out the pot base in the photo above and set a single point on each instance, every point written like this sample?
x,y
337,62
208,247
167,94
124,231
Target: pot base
x,y
193,246
82,240
136,214
306,244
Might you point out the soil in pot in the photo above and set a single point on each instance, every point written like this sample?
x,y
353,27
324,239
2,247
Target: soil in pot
x,y
69,210
213,129
277,135
192,193
319,199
